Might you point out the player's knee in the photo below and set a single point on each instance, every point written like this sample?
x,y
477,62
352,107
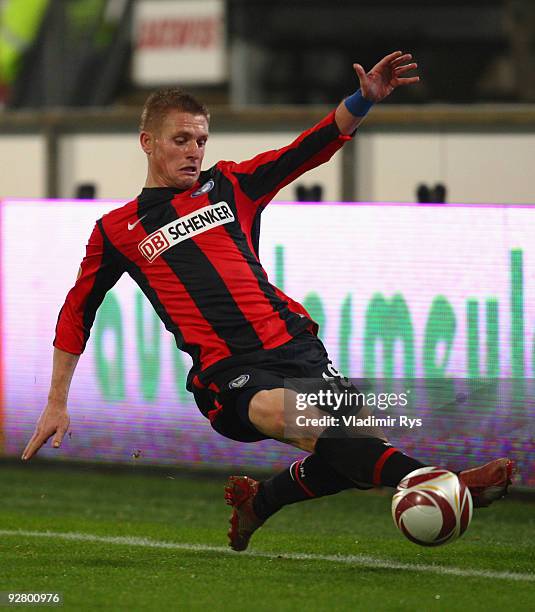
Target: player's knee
x,y
266,411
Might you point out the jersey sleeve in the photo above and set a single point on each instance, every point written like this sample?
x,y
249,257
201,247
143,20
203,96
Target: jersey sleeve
x,y
261,177
99,271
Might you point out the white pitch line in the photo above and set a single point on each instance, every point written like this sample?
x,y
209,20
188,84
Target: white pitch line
x,y
359,560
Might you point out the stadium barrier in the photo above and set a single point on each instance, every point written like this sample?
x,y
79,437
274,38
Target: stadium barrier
x,y
400,291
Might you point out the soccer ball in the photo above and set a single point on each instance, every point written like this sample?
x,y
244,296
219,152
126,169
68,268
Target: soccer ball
x,y
432,506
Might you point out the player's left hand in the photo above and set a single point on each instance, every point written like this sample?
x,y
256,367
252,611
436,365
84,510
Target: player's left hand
x,y
386,75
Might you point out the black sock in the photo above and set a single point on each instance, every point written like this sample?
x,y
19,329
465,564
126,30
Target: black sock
x,y
304,479
396,467
366,460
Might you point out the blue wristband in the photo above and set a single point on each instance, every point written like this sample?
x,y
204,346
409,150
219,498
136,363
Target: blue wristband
x,y
357,105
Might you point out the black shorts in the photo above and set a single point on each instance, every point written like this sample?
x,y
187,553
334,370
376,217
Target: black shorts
x,y
228,410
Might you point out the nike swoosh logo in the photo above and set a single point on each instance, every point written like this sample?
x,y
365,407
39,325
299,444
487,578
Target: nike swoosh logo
x,y
132,225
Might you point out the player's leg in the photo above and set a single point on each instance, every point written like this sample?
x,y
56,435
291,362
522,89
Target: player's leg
x,y
362,455
365,457
254,502
269,411
338,463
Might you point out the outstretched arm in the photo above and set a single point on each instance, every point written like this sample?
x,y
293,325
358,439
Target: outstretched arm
x,y
261,177
98,273
375,86
54,420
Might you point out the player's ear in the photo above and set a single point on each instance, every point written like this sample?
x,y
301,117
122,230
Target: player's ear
x,y
146,139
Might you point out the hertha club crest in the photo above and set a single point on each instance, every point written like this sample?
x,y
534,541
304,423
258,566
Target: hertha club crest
x,y
204,189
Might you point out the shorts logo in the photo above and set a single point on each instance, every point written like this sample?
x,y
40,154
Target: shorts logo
x,y
184,228
204,189
238,382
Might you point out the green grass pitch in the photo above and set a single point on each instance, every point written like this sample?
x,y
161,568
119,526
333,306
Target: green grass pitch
x,y
139,541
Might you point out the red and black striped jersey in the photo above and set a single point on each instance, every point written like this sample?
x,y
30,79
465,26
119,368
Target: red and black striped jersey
x,y
194,254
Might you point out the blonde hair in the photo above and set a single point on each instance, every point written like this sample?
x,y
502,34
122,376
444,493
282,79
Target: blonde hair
x,y
160,102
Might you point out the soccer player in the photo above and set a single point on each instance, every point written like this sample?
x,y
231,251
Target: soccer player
x,y
190,241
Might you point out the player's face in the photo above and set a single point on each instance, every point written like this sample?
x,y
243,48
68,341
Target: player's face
x,y
175,151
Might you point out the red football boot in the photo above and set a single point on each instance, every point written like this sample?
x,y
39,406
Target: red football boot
x,y
239,493
488,482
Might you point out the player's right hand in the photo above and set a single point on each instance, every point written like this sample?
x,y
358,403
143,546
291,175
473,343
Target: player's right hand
x,y
386,75
54,421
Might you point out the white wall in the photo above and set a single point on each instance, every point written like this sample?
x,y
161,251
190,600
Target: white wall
x,y
476,168
113,162
22,166
490,168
